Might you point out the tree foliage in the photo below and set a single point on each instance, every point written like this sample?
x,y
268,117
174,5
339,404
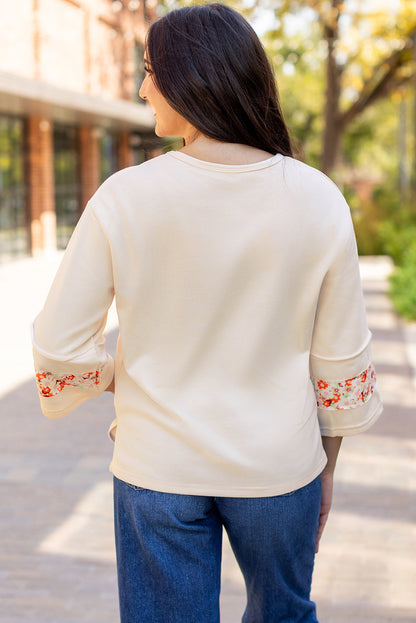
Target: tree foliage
x,y
365,49
340,56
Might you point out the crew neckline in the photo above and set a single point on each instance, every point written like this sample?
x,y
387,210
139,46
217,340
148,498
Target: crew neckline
x,y
218,166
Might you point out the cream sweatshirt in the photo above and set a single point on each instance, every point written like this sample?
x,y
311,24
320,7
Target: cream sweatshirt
x,y
243,335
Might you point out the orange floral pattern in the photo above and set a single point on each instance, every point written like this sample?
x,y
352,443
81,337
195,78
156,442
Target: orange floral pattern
x,y
345,394
50,384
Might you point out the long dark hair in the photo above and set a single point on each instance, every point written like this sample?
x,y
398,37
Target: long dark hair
x,y
210,66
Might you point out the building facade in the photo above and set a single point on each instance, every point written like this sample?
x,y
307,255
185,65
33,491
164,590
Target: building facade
x,y
70,114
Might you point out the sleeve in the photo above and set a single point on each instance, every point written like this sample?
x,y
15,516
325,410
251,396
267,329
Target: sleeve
x,y
341,366
71,362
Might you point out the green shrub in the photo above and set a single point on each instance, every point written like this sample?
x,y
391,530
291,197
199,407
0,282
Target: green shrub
x,y
366,220
398,236
397,240
403,284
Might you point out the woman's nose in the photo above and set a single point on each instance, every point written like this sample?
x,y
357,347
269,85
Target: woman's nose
x,y
142,90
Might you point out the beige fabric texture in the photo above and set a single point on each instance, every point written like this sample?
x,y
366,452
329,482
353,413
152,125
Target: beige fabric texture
x,y
234,285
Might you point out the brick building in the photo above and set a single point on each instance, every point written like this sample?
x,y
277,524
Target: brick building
x,y
69,112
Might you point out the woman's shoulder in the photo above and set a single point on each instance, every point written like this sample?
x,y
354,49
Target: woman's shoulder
x,y
141,180
143,171
313,189
305,177
316,201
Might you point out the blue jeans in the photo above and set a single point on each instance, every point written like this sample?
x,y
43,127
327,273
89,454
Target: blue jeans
x,y
169,554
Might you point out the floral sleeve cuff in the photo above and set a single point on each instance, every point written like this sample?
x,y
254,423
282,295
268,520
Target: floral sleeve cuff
x,y
347,407
61,391
66,381
50,384
347,394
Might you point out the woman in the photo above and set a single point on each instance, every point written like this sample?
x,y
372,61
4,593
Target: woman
x,y
243,355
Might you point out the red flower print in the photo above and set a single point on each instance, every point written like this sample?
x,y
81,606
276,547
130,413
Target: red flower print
x,y
345,394
50,385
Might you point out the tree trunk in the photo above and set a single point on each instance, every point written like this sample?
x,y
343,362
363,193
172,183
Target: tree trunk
x,y
333,127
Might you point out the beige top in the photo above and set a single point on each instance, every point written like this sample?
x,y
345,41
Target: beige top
x,y
243,335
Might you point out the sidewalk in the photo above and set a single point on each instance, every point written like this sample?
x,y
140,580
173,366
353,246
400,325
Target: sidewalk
x,y
366,569
56,536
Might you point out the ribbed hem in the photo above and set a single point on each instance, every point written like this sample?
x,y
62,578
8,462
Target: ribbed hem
x,y
217,490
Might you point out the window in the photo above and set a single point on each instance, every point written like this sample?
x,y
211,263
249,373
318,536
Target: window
x,y
67,182
108,155
14,230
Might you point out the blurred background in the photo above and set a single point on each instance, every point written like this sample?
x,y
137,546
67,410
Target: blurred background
x,y
70,116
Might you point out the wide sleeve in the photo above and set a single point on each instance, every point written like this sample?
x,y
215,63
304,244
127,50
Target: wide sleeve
x,y
341,367
71,362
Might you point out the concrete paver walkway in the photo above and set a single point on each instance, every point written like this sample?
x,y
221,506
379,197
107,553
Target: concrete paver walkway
x,y
56,536
366,569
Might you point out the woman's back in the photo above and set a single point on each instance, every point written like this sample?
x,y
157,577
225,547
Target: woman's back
x,y
218,270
